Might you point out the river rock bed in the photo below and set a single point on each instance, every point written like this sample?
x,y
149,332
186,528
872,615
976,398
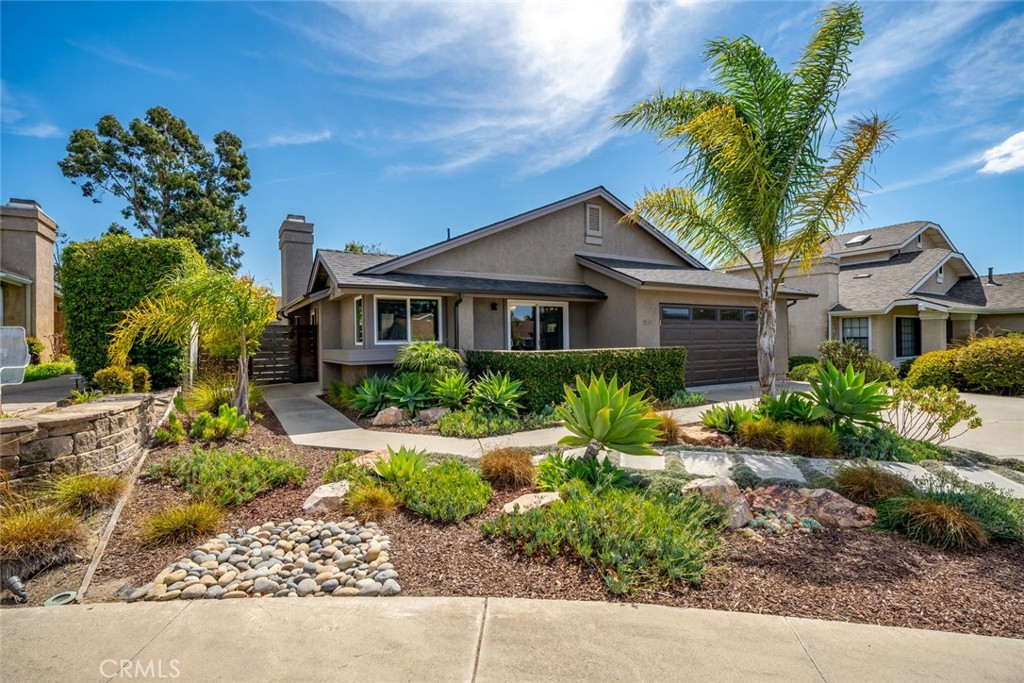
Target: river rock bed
x,y
285,560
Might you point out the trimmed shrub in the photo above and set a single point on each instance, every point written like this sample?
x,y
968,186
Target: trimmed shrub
x,y
993,365
544,373
796,361
813,441
100,279
843,353
934,369
507,467
943,525
869,484
140,379
83,494
225,478
181,523
449,492
371,502
804,373
764,433
473,424
113,380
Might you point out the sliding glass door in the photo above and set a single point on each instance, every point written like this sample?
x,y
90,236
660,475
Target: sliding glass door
x,y
534,326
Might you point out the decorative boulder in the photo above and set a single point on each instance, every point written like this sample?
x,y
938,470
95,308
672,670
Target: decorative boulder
x,y
368,459
431,415
826,507
390,416
723,491
326,498
699,435
529,502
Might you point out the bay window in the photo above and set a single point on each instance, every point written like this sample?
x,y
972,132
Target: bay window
x,y
400,320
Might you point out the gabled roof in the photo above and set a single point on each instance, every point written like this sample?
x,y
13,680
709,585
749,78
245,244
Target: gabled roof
x,y
645,273
877,285
1006,292
597,192
886,237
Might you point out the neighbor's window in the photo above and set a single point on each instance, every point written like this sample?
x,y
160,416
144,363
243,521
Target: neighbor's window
x,y
855,330
401,320
536,327
908,337
359,319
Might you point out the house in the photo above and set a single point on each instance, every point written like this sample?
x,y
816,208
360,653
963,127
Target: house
x,y
568,275
900,291
29,297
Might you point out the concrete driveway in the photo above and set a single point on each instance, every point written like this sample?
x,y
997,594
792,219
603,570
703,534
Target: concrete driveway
x,y
32,396
1002,431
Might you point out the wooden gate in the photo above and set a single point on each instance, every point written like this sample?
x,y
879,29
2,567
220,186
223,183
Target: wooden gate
x,y
287,354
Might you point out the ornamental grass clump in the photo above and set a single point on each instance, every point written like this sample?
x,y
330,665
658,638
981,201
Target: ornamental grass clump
x,y
371,502
84,494
446,493
181,523
636,542
813,441
1000,513
869,484
933,522
36,534
228,478
508,467
764,433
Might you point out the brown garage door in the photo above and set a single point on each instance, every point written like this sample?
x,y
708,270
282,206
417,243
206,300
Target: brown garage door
x,y
720,341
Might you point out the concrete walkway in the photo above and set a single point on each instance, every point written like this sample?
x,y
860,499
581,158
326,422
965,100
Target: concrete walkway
x,y
31,397
476,639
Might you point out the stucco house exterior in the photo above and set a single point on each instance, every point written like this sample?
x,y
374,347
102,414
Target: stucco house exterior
x,y
900,291
29,296
568,275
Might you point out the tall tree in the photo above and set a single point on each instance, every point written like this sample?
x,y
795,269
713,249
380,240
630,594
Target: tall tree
x,y
762,189
172,184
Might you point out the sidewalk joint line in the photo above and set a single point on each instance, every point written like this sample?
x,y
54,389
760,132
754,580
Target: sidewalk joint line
x,y
804,648
479,642
155,636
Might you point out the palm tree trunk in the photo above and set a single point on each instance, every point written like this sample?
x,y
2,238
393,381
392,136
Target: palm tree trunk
x,y
766,339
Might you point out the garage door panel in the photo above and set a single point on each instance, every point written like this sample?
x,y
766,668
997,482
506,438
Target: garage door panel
x,y
717,350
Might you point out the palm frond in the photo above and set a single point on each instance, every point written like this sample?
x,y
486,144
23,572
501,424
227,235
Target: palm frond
x,y
660,113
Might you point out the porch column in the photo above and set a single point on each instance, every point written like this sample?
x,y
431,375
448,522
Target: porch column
x,y
933,330
963,324
464,325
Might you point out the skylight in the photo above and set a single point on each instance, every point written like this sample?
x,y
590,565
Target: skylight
x,y
858,240
862,276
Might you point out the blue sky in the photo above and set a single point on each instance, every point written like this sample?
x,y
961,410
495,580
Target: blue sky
x,y
391,123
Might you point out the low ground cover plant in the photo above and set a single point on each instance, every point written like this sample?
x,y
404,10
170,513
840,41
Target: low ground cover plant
x,y
48,370
635,541
508,467
83,494
445,493
227,478
597,474
343,468
474,424
1001,515
181,523
687,399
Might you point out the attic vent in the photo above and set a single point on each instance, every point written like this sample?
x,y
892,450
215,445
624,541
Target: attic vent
x,y
862,276
858,240
593,227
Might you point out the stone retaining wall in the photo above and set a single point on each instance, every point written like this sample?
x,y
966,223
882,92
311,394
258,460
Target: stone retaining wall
x,y
105,435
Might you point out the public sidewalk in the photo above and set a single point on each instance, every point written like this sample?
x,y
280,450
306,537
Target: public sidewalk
x,y
475,639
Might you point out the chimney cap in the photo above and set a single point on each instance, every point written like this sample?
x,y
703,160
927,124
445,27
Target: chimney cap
x,y
14,201
298,218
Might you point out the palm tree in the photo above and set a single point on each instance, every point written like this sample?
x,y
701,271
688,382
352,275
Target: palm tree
x,y
760,184
230,313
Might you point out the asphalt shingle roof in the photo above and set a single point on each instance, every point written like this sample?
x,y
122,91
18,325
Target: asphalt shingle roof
x,y
885,236
873,286
1007,292
678,276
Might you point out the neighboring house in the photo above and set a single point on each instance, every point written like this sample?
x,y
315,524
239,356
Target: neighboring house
x,y
29,297
900,291
568,275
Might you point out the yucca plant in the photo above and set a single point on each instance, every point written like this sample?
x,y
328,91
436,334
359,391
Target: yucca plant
x,y
409,392
371,396
497,393
428,357
845,398
451,390
603,415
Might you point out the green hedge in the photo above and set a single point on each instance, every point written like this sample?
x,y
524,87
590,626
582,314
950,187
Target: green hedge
x,y
986,365
543,373
100,279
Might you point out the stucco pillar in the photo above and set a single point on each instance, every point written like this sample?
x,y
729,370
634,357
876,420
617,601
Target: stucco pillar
x,y
328,321
963,324
463,324
933,330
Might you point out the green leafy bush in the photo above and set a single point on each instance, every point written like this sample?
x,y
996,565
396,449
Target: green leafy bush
x,y
873,443
934,369
786,407
409,392
227,478
869,484
597,474
843,398
993,365
498,394
726,417
635,541
943,525
931,413
101,279
510,466
797,361
544,373
113,380
371,396
173,433
340,395
181,523
804,373
35,348
904,368
473,424
451,390
427,357
449,492
763,433
401,465
140,379
227,425
48,370
844,353
687,399
813,441
602,415
86,493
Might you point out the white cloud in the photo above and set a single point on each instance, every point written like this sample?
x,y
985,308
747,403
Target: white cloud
x,y
988,73
17,111
1006,156
118,56
38,130
285,139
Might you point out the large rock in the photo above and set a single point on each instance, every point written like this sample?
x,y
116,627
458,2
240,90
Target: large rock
x,y
700,435
368,460
431,415
826,507
326,498
530,501
723,491
390,416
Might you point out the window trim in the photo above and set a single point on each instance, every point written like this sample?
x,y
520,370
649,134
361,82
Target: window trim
x,y
358,331
512,303
408,316
896,336
858,317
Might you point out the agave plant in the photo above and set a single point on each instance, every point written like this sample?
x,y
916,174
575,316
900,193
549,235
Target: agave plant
x,y
787,407
844,398
451,390
371,396
727,417
497,393
602,415
401,465
409,392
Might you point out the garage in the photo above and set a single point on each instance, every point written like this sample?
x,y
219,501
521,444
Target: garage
x,y
720,341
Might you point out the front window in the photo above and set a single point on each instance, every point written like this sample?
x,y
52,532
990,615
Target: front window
x,y
856,330
536,327
359,320
402,320
908,337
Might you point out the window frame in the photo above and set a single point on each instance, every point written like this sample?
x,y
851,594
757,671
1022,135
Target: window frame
x,y
896,336
842,336
513,303
359,326
408,316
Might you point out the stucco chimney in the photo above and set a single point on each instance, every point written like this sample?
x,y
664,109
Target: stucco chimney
x,y
295,240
